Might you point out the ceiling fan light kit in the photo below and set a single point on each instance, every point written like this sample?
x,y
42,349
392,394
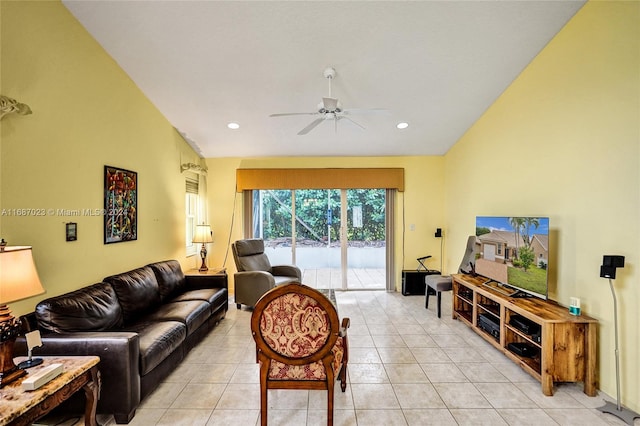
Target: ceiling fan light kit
x,y
329,109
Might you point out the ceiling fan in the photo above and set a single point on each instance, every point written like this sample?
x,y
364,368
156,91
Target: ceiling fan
x,y
329,109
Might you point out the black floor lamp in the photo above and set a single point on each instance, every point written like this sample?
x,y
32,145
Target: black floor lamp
x,y
608,270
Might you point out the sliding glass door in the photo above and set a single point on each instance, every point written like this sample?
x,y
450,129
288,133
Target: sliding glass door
x,y
365,238
337,237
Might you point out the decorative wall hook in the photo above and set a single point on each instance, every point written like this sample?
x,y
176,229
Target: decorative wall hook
x,y
8,105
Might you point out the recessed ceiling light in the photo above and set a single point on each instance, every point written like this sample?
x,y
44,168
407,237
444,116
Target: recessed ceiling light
x,y
233,126
402,125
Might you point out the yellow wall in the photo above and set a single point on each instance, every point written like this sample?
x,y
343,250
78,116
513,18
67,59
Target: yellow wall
x,y
87,114
420,204
563,141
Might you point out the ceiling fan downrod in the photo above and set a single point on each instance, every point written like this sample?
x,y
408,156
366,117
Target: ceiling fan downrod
x,y
329,73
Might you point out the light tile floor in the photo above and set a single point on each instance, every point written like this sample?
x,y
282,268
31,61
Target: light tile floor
x,y
407,367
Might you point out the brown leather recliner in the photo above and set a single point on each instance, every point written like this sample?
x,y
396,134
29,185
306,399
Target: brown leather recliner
x,y
255,274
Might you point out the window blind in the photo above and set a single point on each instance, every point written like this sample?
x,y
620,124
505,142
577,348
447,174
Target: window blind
x,y
191,186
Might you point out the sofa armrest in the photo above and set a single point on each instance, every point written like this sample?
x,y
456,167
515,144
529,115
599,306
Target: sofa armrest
x,y
287,271
200,281
119,363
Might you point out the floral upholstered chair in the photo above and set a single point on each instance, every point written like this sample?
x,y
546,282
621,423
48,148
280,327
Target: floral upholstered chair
x,y
300,343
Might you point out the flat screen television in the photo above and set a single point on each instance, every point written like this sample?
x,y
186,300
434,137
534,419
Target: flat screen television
x,y
514,254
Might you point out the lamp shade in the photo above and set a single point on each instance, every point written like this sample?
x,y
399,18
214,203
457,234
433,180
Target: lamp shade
x,y
18,276
203,234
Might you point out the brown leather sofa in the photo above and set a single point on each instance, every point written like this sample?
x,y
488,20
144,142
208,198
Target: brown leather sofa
x,y
141,324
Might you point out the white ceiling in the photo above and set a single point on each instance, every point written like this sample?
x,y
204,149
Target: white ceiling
x,y
437,65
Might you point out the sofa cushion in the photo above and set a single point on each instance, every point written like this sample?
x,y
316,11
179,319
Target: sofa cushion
x,y
215,297
137,291
170,278
92,308
192,313
157,341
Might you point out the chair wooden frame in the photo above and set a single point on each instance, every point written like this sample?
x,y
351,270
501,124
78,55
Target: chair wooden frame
x,y
324,354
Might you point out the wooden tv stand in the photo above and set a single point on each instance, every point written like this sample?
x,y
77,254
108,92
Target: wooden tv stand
x,y
564,351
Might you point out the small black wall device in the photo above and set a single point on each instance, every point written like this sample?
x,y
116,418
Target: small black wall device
x,y
613,260
438,233
609,265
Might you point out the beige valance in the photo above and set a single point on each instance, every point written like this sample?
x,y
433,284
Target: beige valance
x,y
364,178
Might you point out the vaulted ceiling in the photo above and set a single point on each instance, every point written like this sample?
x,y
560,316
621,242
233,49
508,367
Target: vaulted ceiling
x,y
436,65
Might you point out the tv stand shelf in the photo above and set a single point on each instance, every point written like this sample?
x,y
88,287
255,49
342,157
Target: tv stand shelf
x,y
560,347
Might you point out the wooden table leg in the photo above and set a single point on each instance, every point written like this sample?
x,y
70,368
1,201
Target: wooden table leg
x,y
92,392
590,367
547,367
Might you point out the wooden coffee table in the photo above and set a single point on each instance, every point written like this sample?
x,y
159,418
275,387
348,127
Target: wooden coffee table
x,y
20,407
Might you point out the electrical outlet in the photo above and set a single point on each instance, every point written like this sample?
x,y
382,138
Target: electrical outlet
x,y
412,227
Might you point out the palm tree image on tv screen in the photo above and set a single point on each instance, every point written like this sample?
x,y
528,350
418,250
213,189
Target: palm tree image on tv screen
x,y
514,251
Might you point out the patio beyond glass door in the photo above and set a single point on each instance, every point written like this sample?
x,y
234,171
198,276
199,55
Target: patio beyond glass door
x,y
336,237
365,239
317,242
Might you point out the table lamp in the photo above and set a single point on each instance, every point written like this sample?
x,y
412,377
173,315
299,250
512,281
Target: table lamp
x,y
203,235
18,280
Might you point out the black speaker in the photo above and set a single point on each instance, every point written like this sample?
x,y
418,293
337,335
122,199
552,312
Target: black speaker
x,y
609,265
608,272
613,260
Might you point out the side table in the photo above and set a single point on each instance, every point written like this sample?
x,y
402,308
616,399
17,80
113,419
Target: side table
x,y
202,279
210,271
20,407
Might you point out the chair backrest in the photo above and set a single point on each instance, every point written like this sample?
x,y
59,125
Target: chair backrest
x,y
468,263
295,324
249,255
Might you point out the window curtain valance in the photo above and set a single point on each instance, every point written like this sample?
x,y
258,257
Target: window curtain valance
x,y
364,178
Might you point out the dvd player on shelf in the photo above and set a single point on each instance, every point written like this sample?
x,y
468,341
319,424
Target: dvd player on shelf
x,y
526,350
523,324
527,327
466,294
489,324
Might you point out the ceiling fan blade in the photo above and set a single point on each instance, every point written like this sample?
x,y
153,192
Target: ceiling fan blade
x,y
347,118
330,104
283,114
311,126
366,111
